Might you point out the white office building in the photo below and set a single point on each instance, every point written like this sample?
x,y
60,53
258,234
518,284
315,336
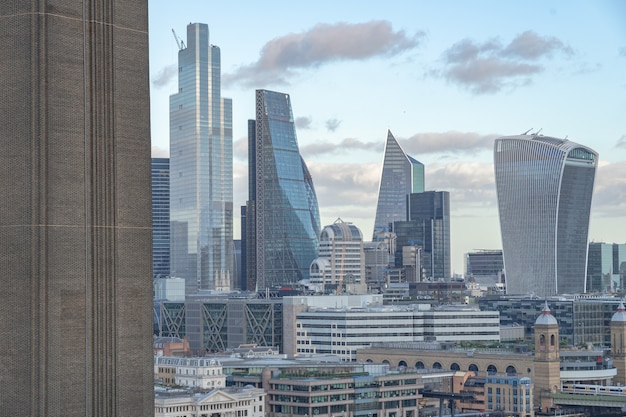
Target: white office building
x,y
341,331
340,265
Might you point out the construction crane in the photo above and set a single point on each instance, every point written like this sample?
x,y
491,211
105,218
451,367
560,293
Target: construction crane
x,y
340,283
179,41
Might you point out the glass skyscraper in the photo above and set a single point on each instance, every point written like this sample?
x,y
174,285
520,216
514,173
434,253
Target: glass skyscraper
x,y
401,176
160,217
544,188
283,223
428,227
606,267
201,168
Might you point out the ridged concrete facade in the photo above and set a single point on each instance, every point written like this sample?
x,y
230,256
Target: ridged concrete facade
x,y
75,237
544,188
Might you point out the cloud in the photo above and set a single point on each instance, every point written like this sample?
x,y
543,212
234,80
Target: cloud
x,y
609,194
621,143
343,146
531,46
447,142
240,148
490,67
471,184
159,152
622,51
282,57
164,76
332,124
303,122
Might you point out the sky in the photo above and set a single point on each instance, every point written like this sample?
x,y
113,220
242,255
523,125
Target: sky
x,y
445,77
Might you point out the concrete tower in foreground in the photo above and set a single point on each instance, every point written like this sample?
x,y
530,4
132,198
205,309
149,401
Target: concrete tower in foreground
x,y
283,222
401,176
75,239
544,188
201,168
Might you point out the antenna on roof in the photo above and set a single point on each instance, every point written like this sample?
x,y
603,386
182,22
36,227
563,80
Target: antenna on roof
x,y
179,41
537,132
525,133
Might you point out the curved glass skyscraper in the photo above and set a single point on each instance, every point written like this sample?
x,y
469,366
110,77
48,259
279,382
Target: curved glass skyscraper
x,y
283,223
402,175
544,188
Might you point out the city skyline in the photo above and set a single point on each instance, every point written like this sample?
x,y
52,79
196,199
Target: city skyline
x,y
446,84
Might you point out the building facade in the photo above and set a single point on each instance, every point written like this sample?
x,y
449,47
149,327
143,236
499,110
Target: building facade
x,y
160,217
201,168
484,266
343,331
74,209
401,176
340,264
606,267
365,390
231,402
544,187
427,228
282,213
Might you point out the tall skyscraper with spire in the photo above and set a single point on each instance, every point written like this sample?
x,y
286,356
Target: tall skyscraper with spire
x,y
201,168
544,188
401,176
75,226
282,213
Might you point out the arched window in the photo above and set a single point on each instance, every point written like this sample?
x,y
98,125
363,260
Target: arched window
x,y
491,369
542,340
369,361
455,367
402,363
437,365
473,367
552,340
510,370
386,362
419,365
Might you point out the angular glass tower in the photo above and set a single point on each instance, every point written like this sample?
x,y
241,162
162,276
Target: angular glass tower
x,y
544,188
401,176
75,230
283,223
201,167
160,217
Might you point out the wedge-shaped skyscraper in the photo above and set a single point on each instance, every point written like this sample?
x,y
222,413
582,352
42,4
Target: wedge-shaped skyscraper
x,y
544,188
402,175
283,223
75,227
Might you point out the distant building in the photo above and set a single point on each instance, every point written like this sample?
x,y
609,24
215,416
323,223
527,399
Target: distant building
x,y
282,213
484,266
169,288
606,267
342,331
376,258
401,176
343,391
247,401
217,323
427,228
160,217
544,188
198,373
340,264
201,168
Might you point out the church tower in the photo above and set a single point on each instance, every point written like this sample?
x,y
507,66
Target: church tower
x,y
547,362
618,344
